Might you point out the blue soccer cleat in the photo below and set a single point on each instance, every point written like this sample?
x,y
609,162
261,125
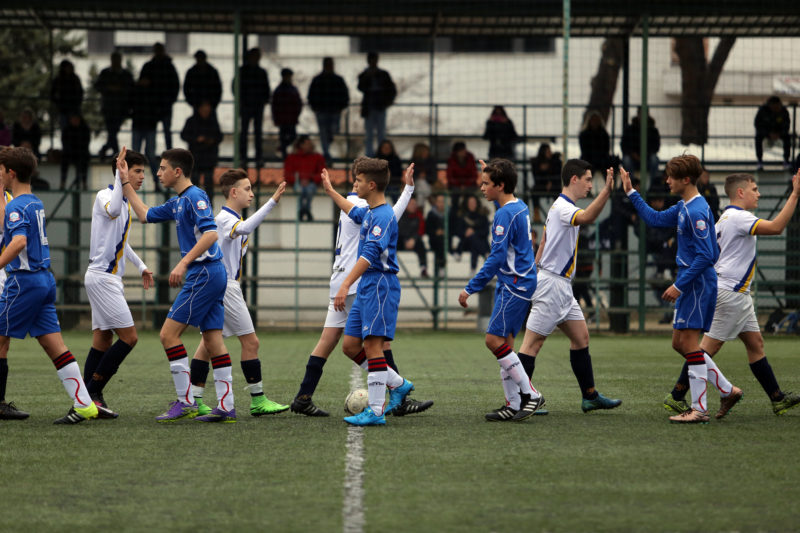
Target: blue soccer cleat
x,y
366,418
398,395
601,402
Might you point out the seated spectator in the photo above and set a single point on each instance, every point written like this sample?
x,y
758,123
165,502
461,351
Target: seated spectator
x,y
203,135
501,134
772,122
631,158
303,170
26,130
473,230
709,192
546,168
75,139
387,152
462,173
5,131
410,229
595,143
426,174
434,228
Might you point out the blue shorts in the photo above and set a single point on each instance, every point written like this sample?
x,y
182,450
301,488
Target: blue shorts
x,y
374,313
27,305
199,303
694,308
509,313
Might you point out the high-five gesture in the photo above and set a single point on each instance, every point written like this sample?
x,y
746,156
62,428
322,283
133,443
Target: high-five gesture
x,y
326,181
610,179
627,186
408,175
122,165
281,189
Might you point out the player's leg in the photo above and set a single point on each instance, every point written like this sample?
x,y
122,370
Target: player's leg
x,y
685,342
184,406
409,406
675,401
223,378
251,368
69,373
302,403
101,342
581,362
8,411
377,370
111,360
762,370
198,374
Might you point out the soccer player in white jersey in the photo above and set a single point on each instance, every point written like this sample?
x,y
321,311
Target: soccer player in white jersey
x,y
734,316
108,250
5,197
233,238
346,253
553,303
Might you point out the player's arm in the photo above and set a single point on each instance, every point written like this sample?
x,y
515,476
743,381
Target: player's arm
x,y
408,191
113,207
778,224
358,270
343,203
590,214
203,244
147,274
2,202
658,219
246,227
17,244
541,245
492,264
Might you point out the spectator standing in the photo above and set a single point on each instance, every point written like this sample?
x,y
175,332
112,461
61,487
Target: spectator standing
x,y
426,175
75,139
501,134
434,228
595,143
709,192
145,113
203,134
303,170
66,93
546,167
473,230
254,95
202,84
115,85
387,152
631,158
379,92
410,229
5,131
328,96
772,122
26,132
165,86
286,108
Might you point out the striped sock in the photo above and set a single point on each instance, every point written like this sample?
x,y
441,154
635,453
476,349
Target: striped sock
x,y
698,375
70,374
223,381
376,384
179,366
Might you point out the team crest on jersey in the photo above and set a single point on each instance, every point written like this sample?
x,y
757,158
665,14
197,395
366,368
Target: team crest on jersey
x,y
700,225
499,230
376,231
13,216
202,205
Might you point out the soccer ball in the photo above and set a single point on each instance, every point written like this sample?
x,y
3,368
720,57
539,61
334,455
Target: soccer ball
x,y
356,401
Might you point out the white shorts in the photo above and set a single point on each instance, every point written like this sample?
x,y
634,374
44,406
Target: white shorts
x,y
338,319
734,314
3,277
552,304
107,298
237,317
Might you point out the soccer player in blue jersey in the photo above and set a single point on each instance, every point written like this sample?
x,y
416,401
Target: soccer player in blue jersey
x,y
511,260
27,304
200,301
373,315
695,289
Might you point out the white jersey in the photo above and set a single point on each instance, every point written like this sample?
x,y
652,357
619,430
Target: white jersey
x,y
560,251
233,236
347,240
111,225
3,274
737,249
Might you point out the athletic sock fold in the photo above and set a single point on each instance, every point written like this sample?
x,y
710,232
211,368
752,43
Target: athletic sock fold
x,y
389,356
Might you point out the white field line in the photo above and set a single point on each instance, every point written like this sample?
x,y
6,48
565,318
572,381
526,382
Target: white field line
x,y
353,505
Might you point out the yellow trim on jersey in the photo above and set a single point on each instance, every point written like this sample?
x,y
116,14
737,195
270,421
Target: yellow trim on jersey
x,y
755,225
109,214
8,196
121,252
241,256
749,278
234,228
574,257
572,221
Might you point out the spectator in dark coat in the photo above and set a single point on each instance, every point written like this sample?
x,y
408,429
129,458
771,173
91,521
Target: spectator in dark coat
x,y
26,132
434,228
75,150
328,97
595,143
203,134
165,86
473,230
772,122
410,229
631,158
546,168
426,175
115,85
387,152
145,113
66,93
5,131
286,108
202,83
708,191
254,95
379,93
501,134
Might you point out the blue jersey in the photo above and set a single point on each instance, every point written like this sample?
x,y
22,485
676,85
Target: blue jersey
x,y
511,258
192,214
697,238
378,237
25,216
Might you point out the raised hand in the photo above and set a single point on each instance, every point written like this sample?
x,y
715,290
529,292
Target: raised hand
x,y
610,179
122,165
408,176
281,189
627,186
326,181
483,164
796,183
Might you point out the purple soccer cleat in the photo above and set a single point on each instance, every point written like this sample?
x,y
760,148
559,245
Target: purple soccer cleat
x,y
178,411
218,415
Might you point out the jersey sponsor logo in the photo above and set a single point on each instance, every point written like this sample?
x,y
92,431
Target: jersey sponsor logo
x,y
376,231
700,225
499,230
13,216
202,205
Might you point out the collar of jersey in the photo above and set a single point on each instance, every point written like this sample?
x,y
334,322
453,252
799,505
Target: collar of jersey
x,y
231,211
352,194
186,189
692,199
567,198
734,207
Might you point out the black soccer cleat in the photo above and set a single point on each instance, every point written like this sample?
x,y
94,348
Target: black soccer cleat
x,y
97,398
502,414
9,411
528,406
72,417
303,405
411,407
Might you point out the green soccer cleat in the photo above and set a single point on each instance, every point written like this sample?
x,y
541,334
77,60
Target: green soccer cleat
x,y
601,402
675,406
202,409
790,399
261,405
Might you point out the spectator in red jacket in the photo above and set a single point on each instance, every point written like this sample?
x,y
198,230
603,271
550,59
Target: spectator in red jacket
x,y
303,169
462,173
286,107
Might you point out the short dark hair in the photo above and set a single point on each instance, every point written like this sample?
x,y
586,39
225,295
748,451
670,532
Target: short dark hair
x,y
736,181
684,166
376,170
574,167
21,160
229,179
180,158
132,158
502,172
